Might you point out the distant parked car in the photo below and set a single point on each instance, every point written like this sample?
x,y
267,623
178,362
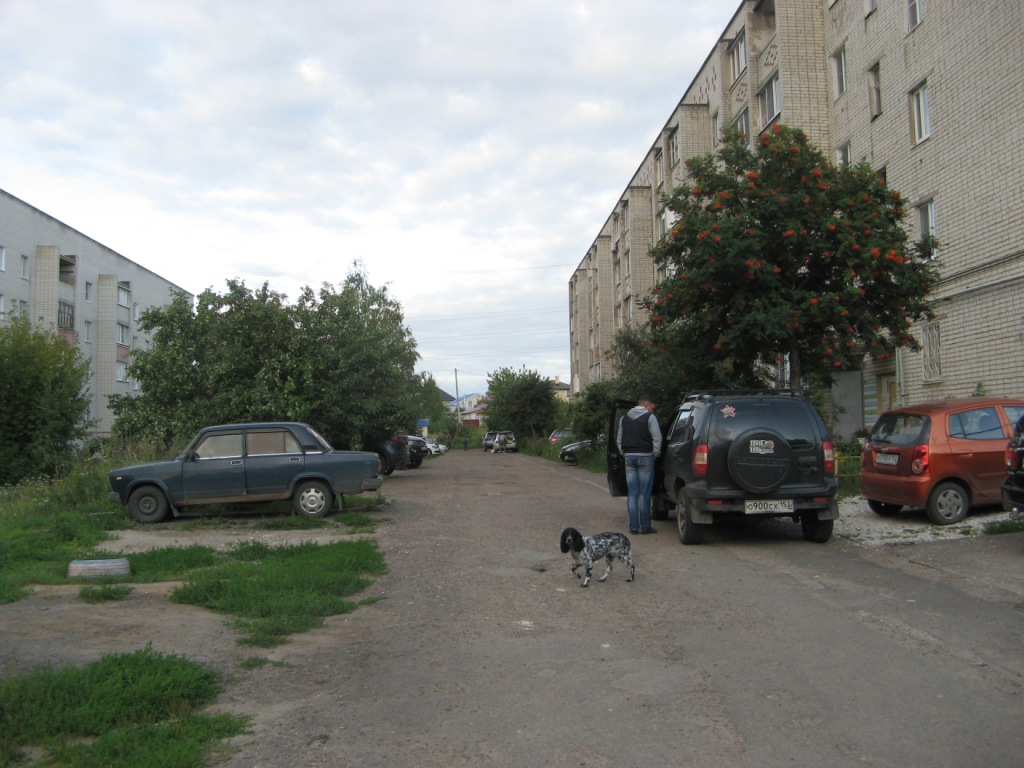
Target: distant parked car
x,y
417,450
565,433
435,448
570,453
393,452
247,463
1013,485
945,455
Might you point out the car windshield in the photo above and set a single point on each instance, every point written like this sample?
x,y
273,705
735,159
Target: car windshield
x,y
901,429
787,417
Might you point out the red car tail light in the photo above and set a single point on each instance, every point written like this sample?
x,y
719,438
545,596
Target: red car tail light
x,y
919,462
700,461
830,458
1013,457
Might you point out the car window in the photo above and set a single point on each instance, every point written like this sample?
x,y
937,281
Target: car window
x,y
975,424
220,447
268,443
787,417
681,428
1014,413
901,429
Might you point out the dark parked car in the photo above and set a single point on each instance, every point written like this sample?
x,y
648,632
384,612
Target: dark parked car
x,y
570,453
565,433
1013,486
417,450
943,455
394,453
739,455
247,463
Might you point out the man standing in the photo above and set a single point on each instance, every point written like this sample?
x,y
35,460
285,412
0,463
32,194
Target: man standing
x,y
639,443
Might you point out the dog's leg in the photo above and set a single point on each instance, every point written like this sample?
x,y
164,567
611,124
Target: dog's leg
x,y
589,568
629,564
607,567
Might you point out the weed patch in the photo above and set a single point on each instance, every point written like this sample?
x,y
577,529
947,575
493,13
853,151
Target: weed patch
x,y
104,592
134,709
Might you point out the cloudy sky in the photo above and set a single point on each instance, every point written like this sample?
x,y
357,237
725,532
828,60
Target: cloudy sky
x,y
464,153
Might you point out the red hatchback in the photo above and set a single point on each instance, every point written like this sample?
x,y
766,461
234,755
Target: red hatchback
x,y
943,455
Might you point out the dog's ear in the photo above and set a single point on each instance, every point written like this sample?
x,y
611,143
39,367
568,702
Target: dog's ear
x,y
577,540
564,541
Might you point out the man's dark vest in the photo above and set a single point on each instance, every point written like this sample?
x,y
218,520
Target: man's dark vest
x,y
636,435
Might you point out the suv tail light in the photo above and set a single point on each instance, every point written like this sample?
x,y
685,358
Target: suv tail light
x,y
1013,456
830,457
919,461
700,461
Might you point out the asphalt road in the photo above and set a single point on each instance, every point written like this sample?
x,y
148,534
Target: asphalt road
x,y
753,649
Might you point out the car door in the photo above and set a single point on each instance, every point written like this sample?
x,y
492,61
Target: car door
x,y
678,448
616,464
214,470
273,458
977,442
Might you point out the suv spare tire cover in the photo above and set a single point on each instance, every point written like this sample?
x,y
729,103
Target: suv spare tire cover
x,y
759,460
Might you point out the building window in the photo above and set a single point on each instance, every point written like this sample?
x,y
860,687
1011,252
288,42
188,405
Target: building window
x,y
122,371
770,100
920,113
839,64
24,266
88,291
659,169
135,312
88,331
742,123
3,259
65,316
738,55
122,334
844,155
915,13
875,91
124,296
716,131
2,306
931,348
673,147
926,223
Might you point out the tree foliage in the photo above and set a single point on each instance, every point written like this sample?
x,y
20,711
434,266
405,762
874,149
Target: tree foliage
x,y
590,409
342,361
520,401
778,254
45,399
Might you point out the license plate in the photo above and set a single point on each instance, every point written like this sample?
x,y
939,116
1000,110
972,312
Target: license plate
x,y
767,505
888,459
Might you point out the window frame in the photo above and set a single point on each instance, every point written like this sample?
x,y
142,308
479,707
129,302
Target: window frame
x,y
122,332
738,56
915,14
875,90
839,71
771,92
920,114
931,352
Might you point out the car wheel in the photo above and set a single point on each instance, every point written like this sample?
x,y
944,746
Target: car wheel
x,y
689,532
759,460
415,463
386,467
883,509
312,499
818,531
947,503
147,504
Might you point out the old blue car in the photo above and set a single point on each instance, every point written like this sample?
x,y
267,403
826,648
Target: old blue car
x,y
247,463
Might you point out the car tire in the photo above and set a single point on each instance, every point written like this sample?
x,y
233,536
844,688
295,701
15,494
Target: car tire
x,y
690,533
415,463
947,503
147,504
818,531
386,467
755,472
884,509
312,499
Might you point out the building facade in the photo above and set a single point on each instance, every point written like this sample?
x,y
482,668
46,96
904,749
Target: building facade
x,y
63,280
927,92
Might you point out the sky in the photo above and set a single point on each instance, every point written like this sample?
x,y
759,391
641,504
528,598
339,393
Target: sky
x,y
463,154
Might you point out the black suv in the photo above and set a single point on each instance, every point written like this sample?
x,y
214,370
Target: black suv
x,y
1013,486
739,454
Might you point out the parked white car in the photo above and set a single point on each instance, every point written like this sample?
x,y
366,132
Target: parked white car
x,y
435,448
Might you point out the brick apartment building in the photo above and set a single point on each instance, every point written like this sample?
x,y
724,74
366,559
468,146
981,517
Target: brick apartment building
x,y
63,280
928,92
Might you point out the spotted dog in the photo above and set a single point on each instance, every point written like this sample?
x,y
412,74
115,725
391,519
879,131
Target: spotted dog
x,y
586,549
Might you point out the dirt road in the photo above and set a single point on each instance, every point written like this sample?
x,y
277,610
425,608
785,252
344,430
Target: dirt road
x,y
754,649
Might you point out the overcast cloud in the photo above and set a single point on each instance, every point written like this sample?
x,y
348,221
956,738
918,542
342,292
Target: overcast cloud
x,y
464,153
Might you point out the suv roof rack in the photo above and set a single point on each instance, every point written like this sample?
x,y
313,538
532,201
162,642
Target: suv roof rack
x,y
711,394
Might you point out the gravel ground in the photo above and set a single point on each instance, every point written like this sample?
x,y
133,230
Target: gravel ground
x,y
859,524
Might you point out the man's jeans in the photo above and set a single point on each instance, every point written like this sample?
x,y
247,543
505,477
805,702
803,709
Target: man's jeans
x,y
639,481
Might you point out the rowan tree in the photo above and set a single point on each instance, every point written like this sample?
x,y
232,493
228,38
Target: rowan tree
x,y
778,253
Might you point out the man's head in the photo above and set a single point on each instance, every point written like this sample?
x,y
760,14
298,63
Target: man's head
x,y
647,402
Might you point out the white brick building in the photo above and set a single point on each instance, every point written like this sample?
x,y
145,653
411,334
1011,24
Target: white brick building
x,y
927,91
63,280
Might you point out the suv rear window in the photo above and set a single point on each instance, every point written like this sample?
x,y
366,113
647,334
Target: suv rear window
x,y
901,429
789,418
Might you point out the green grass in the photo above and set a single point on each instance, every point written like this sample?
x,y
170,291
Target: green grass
x,y
104,592
1004,526
127,710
